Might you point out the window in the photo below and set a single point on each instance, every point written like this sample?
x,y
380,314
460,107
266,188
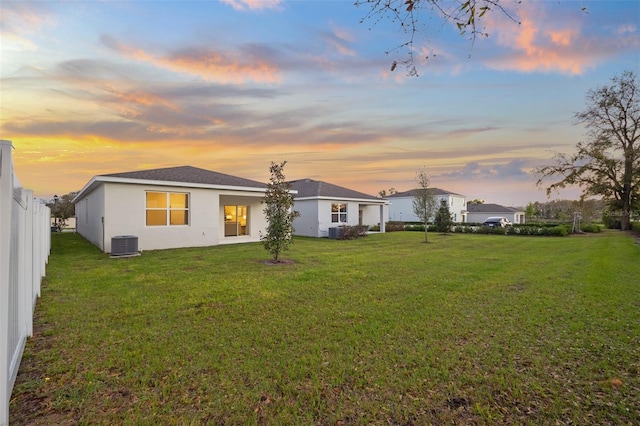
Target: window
x,y
167,208
235,220
338,213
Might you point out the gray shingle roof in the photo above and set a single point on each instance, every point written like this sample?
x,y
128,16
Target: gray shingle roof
x,y
489,208
316,188
411,193
188,174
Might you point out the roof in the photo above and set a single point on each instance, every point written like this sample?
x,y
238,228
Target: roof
x,y
188,174
411,193
183,176
309,188
489,208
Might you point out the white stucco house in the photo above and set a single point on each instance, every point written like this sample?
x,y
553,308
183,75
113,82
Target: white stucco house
x,y
170,207
401,205
478,213
323,205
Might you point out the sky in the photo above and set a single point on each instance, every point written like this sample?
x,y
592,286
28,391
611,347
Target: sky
x,y
95,87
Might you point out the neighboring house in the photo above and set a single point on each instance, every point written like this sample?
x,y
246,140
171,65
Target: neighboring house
x,y
401,207
478,213
323,205
170,208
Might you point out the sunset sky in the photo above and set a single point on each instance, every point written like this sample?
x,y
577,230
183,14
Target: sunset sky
x,y
95,87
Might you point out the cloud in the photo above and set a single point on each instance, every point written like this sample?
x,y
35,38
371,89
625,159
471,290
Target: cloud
x,y
19,20
339,39
562,42
244,5
473,171
251,62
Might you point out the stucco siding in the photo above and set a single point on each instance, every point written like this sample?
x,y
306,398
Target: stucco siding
x,y
307,224
401,208
89,214
371,214
256,220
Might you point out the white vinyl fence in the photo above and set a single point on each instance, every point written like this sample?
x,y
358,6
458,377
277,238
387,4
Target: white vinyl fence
x,y
25,241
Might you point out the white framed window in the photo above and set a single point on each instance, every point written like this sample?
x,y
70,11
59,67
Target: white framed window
x,y
338,213
235,220
167,208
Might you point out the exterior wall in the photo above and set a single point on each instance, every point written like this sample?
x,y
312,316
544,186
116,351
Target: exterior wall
x,y
89,214
401,208
256,220
315,216
458,208
307,224
371,214
123,207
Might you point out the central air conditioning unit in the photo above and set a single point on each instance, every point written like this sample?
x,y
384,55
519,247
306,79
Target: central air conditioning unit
x,y
124,245
336,232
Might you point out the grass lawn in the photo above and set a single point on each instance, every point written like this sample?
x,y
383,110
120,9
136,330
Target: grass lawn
x,y
385,330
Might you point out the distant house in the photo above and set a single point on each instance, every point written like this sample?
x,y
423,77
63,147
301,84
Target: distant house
x,y
478,213
401,205
170,207
323,205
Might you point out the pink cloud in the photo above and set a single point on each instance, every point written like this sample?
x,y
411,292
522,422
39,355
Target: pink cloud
x,y
222,67
551,43
19,20
253,4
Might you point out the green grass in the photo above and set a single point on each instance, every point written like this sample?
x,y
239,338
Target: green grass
x,y
468,329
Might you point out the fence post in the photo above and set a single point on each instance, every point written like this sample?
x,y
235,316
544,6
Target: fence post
x,y
6,208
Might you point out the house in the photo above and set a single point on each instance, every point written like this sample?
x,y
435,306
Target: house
x,y
401,207
323,205
170,207
478,213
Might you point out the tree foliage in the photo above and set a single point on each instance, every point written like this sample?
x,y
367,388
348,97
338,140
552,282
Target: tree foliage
x,y
408,14
443,220
278,202
63,208
424,201
608,163
383,192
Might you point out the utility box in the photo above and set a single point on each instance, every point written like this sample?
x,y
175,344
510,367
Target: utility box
x,y
336,232
124,245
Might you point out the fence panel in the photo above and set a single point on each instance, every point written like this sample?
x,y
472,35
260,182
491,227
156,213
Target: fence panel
x,y
24,250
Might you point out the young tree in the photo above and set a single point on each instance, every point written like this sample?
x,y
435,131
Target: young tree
x,y
608,164
424,202
530,211
443,220
278,210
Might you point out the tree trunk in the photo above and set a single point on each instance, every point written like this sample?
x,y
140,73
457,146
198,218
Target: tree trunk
x,y
426,240
625,220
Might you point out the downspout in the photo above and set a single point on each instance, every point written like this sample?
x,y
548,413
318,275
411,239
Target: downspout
x,y
103,247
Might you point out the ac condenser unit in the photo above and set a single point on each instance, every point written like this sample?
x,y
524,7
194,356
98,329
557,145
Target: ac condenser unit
x,y
336,232
124,245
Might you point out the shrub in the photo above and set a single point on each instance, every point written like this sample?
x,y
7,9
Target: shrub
x,y
558,231
353,232
635,226
612,222
392,226
590,227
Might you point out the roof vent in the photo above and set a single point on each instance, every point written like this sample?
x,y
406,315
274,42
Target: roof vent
x,y
124,245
